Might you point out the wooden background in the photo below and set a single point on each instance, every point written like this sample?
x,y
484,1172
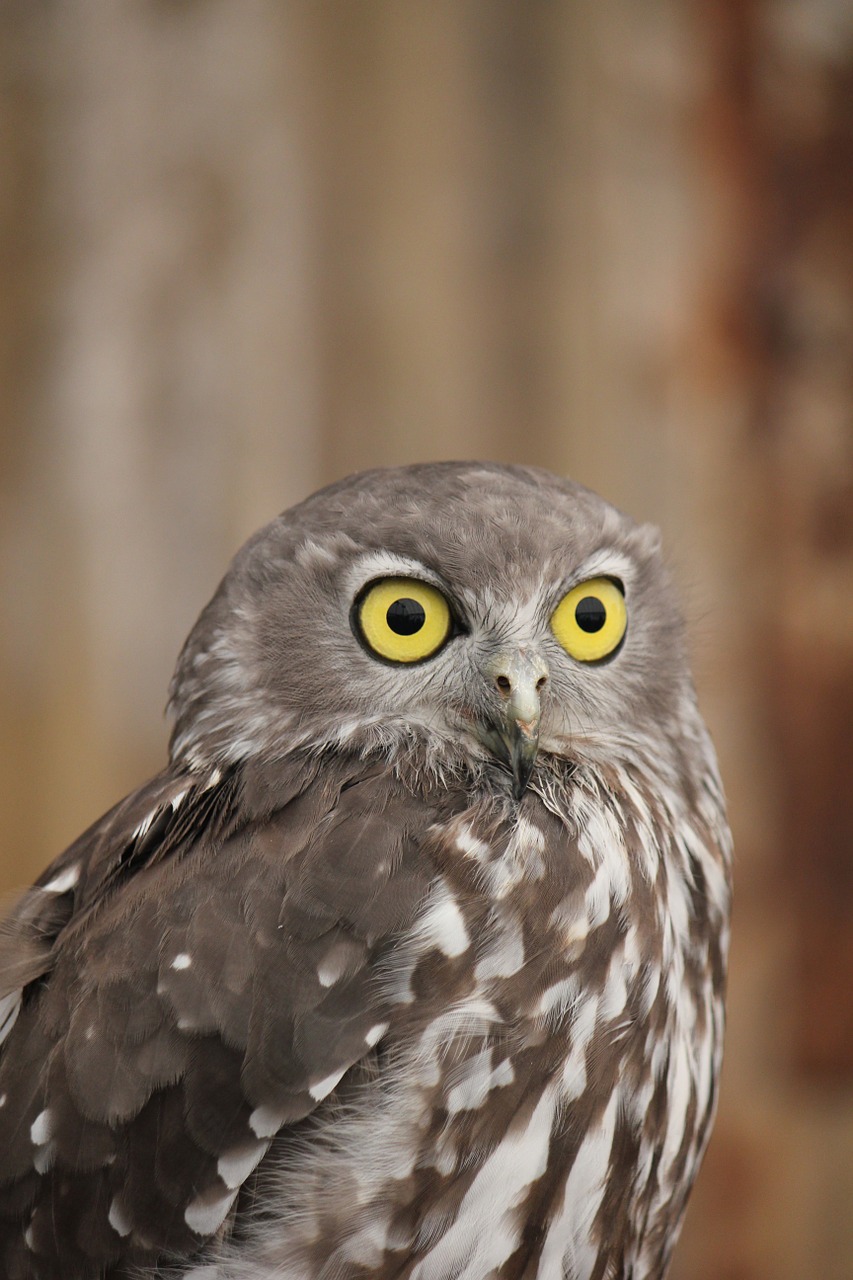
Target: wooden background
x,y
247,246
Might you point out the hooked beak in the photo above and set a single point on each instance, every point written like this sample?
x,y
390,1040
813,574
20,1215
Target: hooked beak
x,y
514,736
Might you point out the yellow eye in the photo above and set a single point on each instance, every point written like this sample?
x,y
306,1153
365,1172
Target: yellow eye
x,y
591,619
404,620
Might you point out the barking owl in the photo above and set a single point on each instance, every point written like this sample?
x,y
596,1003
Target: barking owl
x,y
410,963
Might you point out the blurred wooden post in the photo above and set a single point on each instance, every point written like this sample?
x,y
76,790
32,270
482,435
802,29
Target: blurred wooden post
x,y
780,136
772,359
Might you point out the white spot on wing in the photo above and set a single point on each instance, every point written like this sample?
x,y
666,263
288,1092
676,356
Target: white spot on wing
x,y
64,881
43,1158
265,1122
10,1007
141,828
328,972
376,1033
182,961
118,1219
234,1166
324,1087
338,961
41,1128
204,1215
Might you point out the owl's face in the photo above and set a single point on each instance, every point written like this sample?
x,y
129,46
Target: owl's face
x,y
499,609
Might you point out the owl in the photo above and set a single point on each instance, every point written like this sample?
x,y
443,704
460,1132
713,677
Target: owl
x,y
410,962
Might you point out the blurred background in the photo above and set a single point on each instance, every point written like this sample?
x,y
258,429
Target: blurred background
x,y
248,248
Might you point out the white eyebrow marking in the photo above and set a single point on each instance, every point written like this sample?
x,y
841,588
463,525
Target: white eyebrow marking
x,y
607,562
387,564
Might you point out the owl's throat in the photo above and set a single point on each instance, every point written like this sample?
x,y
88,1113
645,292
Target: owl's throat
x,y
516,744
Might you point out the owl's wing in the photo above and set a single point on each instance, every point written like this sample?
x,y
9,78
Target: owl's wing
x,y
194,973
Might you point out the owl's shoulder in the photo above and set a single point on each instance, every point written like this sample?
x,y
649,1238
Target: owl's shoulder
x,y
194,973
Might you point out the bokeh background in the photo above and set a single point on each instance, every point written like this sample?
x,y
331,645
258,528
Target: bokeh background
x,y
247,246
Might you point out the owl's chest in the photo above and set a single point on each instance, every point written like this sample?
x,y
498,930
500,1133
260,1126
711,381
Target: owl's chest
x,y
543,932
555,1005
532,1036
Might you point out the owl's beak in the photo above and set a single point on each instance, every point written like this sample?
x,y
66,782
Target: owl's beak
x,y
519,677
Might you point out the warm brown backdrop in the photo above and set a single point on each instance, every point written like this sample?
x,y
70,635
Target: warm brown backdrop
x,y
248,246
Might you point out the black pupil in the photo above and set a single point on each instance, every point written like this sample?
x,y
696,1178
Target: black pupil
x,y
590,614
405,617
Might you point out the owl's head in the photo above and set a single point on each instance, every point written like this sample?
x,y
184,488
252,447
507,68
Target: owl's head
x,y
489,610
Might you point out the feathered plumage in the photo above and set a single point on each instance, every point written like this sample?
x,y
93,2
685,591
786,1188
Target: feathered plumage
x,y
350,989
